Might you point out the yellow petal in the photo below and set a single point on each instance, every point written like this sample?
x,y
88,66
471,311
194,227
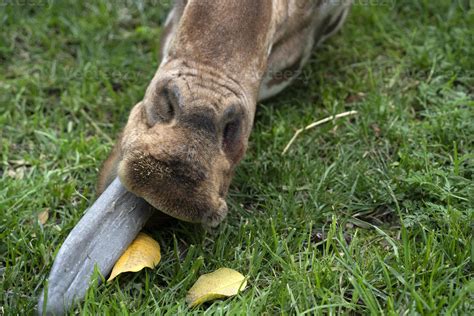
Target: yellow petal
x,y
221,283
143,252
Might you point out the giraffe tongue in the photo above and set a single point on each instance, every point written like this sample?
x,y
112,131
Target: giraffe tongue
x,y
99,239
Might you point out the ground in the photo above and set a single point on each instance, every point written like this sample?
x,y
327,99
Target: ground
x,y
368,214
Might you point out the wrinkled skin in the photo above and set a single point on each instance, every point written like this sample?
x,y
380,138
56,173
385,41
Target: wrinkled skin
x,y
180,147
183,141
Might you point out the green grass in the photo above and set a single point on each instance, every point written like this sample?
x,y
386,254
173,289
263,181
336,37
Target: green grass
x,y
367,215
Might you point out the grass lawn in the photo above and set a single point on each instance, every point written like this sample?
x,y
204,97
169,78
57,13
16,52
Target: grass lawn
x,y
369,214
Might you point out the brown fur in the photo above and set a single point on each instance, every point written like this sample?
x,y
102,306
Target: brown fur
x,y
181,144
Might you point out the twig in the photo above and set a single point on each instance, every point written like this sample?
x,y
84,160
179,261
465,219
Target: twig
x,y
96,127
313,125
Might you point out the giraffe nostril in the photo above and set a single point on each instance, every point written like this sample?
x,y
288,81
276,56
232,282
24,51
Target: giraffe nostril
x,y
162,106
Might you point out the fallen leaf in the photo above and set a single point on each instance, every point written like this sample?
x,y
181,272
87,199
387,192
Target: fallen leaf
x,y
221,283
143,252
18,162
18,173
43,216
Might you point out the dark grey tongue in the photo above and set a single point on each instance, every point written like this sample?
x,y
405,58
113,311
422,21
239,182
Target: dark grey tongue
x,y
100,237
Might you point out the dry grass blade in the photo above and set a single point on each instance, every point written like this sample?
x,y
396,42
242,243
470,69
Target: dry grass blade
x,y
96,127
315,124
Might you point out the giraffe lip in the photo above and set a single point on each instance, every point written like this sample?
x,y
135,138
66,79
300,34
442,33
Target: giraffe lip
x,y
98,240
